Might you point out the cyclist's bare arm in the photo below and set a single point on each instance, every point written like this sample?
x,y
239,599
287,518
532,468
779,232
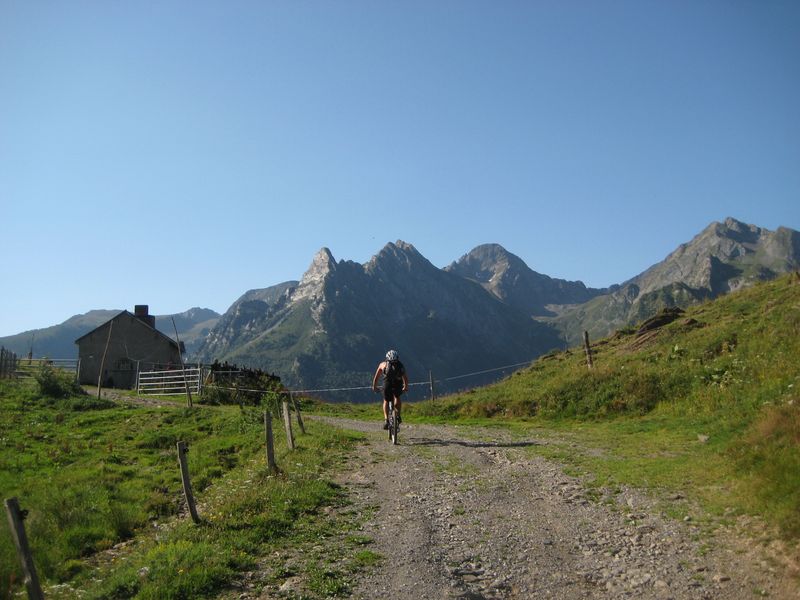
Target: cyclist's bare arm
x,y
378,373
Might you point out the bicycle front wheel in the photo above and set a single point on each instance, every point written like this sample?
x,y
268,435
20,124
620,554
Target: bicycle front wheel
x,y
394,427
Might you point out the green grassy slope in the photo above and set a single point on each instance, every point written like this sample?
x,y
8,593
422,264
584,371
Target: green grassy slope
x,y
708,403
93,474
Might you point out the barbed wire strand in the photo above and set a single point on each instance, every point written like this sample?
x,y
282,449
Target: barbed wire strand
x,y
369,387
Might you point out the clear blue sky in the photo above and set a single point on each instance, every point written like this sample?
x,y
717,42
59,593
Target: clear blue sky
x,y
177,154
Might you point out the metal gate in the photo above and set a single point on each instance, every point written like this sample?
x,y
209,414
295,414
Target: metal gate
x,y
169,383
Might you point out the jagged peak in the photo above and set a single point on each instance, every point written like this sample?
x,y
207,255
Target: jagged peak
x,y
322,263
399,252
491,250
321,266
731,225
489,259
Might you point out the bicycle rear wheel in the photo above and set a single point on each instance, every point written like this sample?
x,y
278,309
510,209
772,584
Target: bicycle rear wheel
x,y
394,427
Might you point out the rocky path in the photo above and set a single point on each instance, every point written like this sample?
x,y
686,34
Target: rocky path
x,y
474,514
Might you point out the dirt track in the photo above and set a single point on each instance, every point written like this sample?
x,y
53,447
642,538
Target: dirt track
x,y
471,514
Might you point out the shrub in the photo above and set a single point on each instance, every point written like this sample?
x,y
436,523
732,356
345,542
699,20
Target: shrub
x,y
769,454
55,383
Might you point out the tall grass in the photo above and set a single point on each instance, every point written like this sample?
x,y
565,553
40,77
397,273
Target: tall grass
x,y
727,370
95,474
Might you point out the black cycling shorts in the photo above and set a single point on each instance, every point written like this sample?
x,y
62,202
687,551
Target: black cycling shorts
x,y
390,393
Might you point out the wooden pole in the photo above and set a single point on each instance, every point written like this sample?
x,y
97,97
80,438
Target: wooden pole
x,y
589,362
15,518
287,422
187,484
430,378
138,370
270,442
183,367
296,407
103,361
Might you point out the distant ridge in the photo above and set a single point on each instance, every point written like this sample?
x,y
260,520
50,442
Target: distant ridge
x,y
336,324
507,276
724,257
484,310
58,341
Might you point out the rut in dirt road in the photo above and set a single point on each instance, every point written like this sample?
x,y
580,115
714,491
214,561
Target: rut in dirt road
x,y
469,513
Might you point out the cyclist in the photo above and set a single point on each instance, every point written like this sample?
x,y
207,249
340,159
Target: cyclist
x,y
395,382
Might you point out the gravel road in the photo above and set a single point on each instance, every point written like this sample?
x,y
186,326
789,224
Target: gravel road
x,y
470,513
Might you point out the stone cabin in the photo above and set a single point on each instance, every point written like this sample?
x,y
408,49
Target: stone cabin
x,y
135,345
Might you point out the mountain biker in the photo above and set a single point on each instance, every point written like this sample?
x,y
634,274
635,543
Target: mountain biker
x,y
395,382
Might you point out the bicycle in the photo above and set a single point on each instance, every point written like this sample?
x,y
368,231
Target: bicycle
x,y
394,422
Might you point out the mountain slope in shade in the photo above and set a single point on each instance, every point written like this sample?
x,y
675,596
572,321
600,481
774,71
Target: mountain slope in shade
x,y
58,341
244,320
337,323
506,276
723,257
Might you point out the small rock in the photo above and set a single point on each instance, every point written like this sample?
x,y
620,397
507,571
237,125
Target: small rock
x,y
721,578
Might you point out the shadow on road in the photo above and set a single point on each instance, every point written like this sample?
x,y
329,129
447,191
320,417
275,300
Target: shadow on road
x,y
417,441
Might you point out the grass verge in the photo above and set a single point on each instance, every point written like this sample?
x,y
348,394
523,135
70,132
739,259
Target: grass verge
x,y
103,489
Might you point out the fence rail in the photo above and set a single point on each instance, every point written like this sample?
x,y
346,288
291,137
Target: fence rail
x,y
65,364
169,383
8,364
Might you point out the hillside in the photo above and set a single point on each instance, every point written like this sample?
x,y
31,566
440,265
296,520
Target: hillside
x,y
724,372
507,277
724,257
329,329
333,327
58,341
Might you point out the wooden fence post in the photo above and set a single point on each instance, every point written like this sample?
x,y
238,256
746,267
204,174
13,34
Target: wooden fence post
x,y
588,349
183,366
287,422
297,409
270,442
430,378
15,518
103,361
187,484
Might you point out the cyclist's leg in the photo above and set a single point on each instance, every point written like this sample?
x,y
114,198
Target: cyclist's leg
x,y
387,395
397,402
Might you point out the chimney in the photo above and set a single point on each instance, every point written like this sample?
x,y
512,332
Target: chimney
x,y
142,312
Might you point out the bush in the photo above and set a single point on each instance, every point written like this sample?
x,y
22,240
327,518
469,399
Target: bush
x,y
55,383
769,456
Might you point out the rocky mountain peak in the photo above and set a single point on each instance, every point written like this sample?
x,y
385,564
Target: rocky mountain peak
x,y
397,256
313,280
506,276
487,262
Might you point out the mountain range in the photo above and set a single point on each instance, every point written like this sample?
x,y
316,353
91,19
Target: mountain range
x,y
58,341
487,309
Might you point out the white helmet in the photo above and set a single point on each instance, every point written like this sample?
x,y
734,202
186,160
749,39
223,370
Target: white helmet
x,y
392,355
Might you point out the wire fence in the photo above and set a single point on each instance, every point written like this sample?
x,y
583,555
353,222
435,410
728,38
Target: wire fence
x,y
369,387
8,363
175,381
